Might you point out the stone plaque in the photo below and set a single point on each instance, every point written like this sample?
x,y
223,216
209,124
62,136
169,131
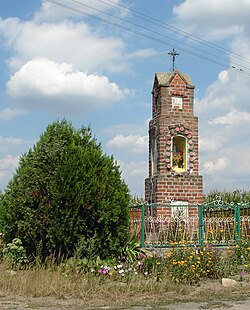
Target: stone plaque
x,y
177,102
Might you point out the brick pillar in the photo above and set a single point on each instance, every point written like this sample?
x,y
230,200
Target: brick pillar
x,y
173,142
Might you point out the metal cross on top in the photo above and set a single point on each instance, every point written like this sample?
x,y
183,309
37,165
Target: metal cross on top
x,y
173,54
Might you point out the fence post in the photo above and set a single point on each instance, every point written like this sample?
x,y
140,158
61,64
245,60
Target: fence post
x,y
142,226
201,224
237,224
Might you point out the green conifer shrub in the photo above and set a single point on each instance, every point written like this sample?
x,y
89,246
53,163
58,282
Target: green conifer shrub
x,y
66,192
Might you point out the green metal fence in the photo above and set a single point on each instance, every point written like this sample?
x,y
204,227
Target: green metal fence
x,y
164,225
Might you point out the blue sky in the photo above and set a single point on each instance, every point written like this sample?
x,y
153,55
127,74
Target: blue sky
x,y
58,63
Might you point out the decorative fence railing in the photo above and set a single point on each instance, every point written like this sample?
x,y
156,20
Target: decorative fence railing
x,y
164,225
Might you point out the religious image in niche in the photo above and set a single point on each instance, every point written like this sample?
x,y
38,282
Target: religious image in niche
x,y
179,154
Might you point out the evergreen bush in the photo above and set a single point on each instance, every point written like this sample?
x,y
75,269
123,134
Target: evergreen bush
x,y
66,192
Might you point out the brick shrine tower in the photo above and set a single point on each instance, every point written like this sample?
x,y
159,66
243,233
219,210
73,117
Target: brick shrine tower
x,y
173,142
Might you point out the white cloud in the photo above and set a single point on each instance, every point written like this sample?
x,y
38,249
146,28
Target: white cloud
x,y
133,168
8,114
134,173
88,49
230,91
209,144
231,118
214,19
52,12
8,165
130,143
7,143
220,164
143,53
44,84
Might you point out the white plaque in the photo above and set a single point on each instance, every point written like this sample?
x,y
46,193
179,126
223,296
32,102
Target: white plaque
x,y
177,102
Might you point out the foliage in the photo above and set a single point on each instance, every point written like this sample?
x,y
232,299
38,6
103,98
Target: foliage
x,y
131,250
136,201
237,196
15,253
1,244
241,254
66,190
189,265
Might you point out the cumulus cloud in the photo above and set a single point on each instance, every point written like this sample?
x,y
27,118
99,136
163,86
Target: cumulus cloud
x,y
7,143
218,20
209,144
8,165
44,84
133,168
81,45
8,114
215,166
231,118
134,173
130,143
143,53
52,12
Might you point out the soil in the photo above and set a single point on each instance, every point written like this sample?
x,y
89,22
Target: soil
x,y
208,295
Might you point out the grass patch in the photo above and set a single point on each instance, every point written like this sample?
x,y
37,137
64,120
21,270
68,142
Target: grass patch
x,y
88,290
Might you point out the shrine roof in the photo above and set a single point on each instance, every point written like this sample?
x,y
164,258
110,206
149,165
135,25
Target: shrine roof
x,y
164,78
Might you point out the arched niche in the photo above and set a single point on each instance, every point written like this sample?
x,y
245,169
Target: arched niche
x,y
179,154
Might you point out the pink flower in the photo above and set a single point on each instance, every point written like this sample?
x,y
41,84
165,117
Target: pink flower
x,y
168,166
191,153
181,128
189,136
186,132
190,142
191,165
169,142
191,159
177,129
190,147
167,148
167,160
174,133
167,154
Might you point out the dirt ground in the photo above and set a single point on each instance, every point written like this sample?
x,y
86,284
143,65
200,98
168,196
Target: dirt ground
x,y
208,295
51,303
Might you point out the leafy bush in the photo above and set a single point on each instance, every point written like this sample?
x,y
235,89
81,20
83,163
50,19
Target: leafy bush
x,y
66,190
15,253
